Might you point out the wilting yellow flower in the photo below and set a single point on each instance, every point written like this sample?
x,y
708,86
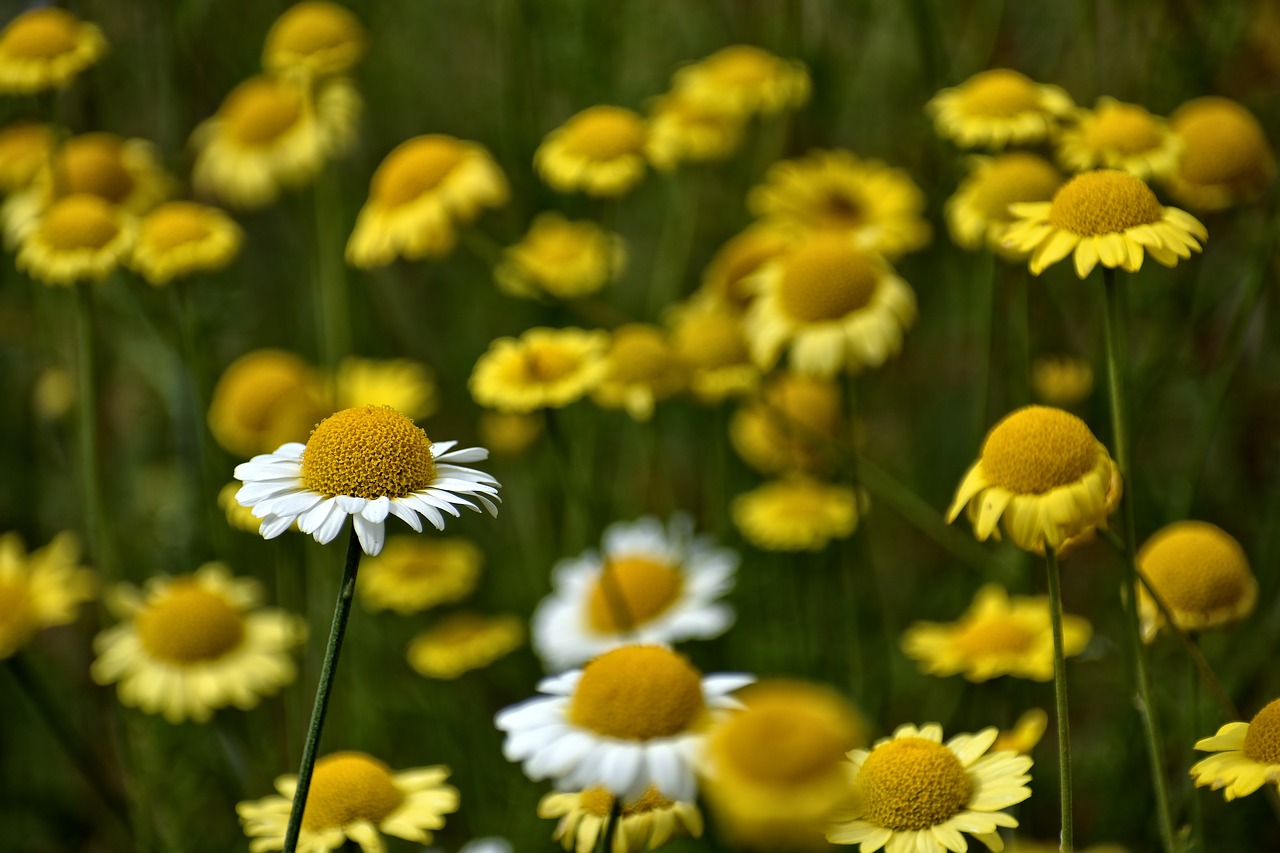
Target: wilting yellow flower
x,y
794,425
314,38
407,386
796,514
599,151
263,399
640,369
745,80
509,433
998,635
1201,574
708,339
46,47
978,214
182,238
1061,380
647,823
413,573
996,108
1025,734
728,275
25,146
682,130
463,641
560,258
1226,158
78,238
542,369
39,590
421,192
1116,135
1246,755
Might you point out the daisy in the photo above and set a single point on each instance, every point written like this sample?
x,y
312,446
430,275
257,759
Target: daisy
x,y
1061,380
1226,158
1106,216
463,641
744,80
560,258
1200,573
797,514
599,151
414,574
915,793
727,277
707,338
792,426
1246,755
263,399
978,213
25,146
45,48
997,636
683,130
996,108
634,717
1116,135
353,796
191,644
645,824
542,369
39,590
181,238
314,38
79,238
368,463
640,369
650,583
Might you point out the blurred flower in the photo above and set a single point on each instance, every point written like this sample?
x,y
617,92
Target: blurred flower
x,y
1108,216
79,238
631,719
54,394
998,635
413,574
640,369
651,584
792,426
774,773
745,80
463,641
880,208
834,307
191,644
1246,755
560,258
599,151
39,590
645,824
543,368
407,386
1025,734
978,214
912,792
1201,574
44,48
728,275
1116,135
1226,158
315,39
420,193
269,134
996,108
796,514
238,517
182,238
707,338
1061,380
1044,473
367,463
353,796
263,399
683,130
25,146
509,433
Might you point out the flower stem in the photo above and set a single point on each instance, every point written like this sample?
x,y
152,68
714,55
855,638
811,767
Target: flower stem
x,y
1060,699
327,670
333,308
611,828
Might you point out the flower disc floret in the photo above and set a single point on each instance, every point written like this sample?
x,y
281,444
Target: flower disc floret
x,y
415,168
1262,741
638,693
605,132
912,783
632,590
368,452
348,787
1106,201
827,279
995,637
1124,127
260,110
1000,92
80,221
314,37
1201,574
189,623
1037,449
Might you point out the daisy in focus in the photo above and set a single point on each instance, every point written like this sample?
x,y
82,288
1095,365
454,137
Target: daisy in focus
x,y
646,823
1201,574
182,238
45,48
996,108
915,794
978,213
1226,158
650,583
1116,135
797,513
464,641
542,369
414,574
39,590
314,39
560,258
744,80
599,151
1245,757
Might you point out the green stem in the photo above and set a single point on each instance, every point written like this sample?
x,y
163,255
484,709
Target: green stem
x,y
985,293
87,423
331,284
327,670
1060,700
611,828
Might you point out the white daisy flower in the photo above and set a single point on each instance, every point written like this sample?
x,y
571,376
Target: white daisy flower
x,y
632,718
651,584
367,463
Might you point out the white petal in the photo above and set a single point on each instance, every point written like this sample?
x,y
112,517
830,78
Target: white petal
x,y
372,534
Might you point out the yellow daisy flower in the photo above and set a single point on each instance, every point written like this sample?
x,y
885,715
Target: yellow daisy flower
x,y
647,823
880,207
45,48
1025,734
1061,380
263,399
542,369
1201,574
316,39
191,644
79,238
182,238
745,80
996,108
997,635
1106,216
978,214
600,151
1246,755
509,433
419,194
463,641
1116,135
1042,472
641,368
413,574
682,130
39,590
25,146
407,386
833,306
727,277
707,338
915,793
560,258
796,514
1226,158
353,796
792,426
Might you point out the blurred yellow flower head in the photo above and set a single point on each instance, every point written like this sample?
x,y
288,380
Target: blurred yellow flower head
x,y
647,823
44,48
599,151
795,425
797,514
407,386
978,214
1025,734
996,108
413,574
263,399
707,338
79,238
682,130
39,590
182,238
25,146
640,369
463,641
542,369
560,258
509,433
1201,574
314,38
1116,135
1226,158
744,80
1061,380
727,277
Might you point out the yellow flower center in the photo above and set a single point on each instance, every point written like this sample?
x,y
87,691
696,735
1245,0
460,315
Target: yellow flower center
x,y
347,787
309,28
801,405
988,637
1196,567
44,33
742,65
188,624
79,222
912,783
368,452
599,802
1262,741
999,93
639,354
1011,179
175,224
635,590
1103,202
1036,449
712,339
415,169
841,210
825,280
638,693
739,258
782,744
555,243
547,362
259,111
605,133
1126,128
93,164
17,617
1224,142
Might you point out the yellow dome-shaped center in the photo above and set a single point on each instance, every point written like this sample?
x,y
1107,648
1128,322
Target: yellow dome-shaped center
x,y
175,224
1014,178
347,787
599,802
44,33
94,164
368,452
631,591
738,259
782,743
1103,202
712,339
1262,741
1037,449
1223,141
415,168
741,65
1196,567
638,693
1126,128
999,93
261,110
639,353
556,242
188,624
313,27
826,279
605,133
548,362
991,637
79,222
912,783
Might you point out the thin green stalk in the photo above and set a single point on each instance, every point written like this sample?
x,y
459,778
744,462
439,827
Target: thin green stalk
x,y
331,284
985,300
87,424
1196,842
1060,700
611,828
328,669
